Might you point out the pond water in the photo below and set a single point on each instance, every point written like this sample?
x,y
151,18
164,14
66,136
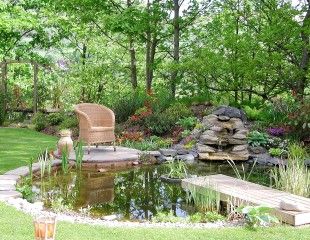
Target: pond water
x,y
132,194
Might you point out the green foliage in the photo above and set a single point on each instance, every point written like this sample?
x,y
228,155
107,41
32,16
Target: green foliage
x,y
205,199
2,110
45,163
257,139
40,121
256,216
65,160
162,122
25,188
149,144
185,133
176,169
187,123
55,119
253,114
241,174
206,217
167,217
295,176
276,152
69,122
79,154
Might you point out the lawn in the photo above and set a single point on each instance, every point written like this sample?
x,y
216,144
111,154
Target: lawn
x,y
17,145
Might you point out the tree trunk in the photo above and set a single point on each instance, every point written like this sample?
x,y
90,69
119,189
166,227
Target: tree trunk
x,y
133,60
3,94
176,46
84,52
35,86
133,64
304,63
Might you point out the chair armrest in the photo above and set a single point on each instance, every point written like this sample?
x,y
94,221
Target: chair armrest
x,y
83,118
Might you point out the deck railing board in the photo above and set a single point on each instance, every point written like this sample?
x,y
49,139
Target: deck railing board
x,y
244,192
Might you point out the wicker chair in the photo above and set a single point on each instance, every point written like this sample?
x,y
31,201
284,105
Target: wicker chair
x,y
96,123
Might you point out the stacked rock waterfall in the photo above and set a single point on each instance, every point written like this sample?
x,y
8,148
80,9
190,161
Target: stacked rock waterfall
x,y
224,136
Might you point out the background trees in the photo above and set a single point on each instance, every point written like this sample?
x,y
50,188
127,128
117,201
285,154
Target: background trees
x,y
117,50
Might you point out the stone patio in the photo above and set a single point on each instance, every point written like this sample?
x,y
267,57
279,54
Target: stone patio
x,y
107,154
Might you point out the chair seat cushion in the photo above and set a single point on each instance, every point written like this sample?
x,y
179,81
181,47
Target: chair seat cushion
x,y
101,129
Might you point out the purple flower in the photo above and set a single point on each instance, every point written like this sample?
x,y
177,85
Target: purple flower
x,y
276,131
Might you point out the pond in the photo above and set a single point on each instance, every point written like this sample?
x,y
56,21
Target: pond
x,y
129,194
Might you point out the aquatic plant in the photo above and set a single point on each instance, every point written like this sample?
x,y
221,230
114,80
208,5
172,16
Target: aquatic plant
x,y
295,176
206,217
43,160
79,154
243,174
167,217
176,168
64,160
205,199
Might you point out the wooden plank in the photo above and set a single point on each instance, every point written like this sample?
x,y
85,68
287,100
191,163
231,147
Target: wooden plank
x,y
243,192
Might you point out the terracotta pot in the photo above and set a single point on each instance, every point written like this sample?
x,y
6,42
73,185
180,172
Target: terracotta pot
x,y
65,141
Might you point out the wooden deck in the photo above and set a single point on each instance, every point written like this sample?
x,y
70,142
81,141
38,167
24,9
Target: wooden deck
x,y
242,192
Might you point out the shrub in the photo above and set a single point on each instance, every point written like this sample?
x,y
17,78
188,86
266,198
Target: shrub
x,y
127,106
276,131
276,152
40,121
253,114
257,139
69,122
187,123
162,122
55,119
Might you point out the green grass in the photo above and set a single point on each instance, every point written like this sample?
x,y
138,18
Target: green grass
x,y
15,225
17,145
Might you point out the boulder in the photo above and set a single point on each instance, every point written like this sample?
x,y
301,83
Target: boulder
x,y
231,112
205,148
239,148
168,152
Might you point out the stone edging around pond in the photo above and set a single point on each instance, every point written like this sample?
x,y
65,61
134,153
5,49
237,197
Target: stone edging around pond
x,y
10,196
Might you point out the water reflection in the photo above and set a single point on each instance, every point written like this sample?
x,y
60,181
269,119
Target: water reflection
x,y
134,194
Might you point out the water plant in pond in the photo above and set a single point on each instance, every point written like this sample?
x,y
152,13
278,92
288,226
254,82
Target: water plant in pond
x,y
243,174
176,169
64,160
43,160
256,216
79,154
167,217
205,199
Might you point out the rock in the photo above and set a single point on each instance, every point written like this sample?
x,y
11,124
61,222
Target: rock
x,y
237,123
205,148
223,156
238,148
231,112
4,195
168,152
234,141
291,206
152,153
239,136
307,162
181,150
163,158
216,128
223,118
110,217
243,132
257,150
135,163
102,170
188,158
207,139
7,187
